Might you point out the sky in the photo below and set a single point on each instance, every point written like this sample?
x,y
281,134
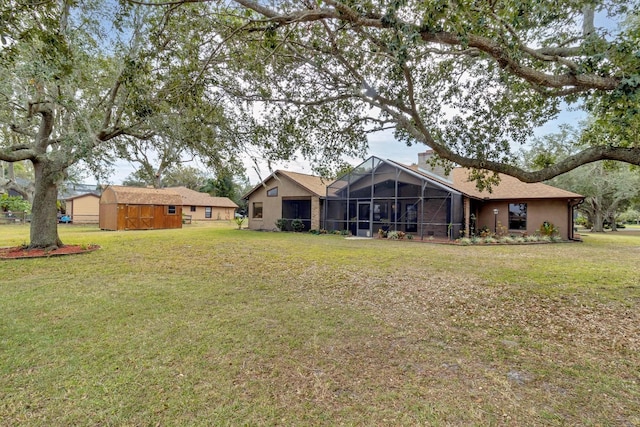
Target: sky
x,y
381,144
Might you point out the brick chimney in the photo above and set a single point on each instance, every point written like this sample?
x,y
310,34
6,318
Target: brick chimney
x,y
424,165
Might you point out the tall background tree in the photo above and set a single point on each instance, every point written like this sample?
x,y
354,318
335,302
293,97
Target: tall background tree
x,y
609,187
469,79
75,77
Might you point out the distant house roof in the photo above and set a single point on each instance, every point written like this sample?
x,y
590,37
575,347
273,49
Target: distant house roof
x,y
144,196
312,183
72,190
83,195
196,198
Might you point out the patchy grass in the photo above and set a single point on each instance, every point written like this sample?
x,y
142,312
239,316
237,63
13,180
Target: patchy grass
x,y
210,325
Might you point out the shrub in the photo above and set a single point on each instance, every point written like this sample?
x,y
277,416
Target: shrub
x,y
548,229
465,241
395,235
297,225
281,224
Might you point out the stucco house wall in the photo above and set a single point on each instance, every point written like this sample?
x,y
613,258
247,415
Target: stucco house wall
x,y
84,209
264,209
538,211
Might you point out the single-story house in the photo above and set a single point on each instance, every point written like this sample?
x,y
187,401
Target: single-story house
x,y
424,201
83,208
202,206
418,199
135,208
289,196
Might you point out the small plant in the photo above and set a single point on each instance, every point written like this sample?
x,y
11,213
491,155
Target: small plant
x,y
485,231
548,229
239,221
465,241
396,235
476,239
297,225
519,239
409,236
281,224
501,230
344,232
490,239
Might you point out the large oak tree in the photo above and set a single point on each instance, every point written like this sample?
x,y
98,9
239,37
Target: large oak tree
x,y
470,79
77,77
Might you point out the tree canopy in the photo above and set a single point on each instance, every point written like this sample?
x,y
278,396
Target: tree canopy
x,y
609,187
76,78
470,79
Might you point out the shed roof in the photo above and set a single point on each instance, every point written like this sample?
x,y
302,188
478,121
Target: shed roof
x,y
144,196
196,198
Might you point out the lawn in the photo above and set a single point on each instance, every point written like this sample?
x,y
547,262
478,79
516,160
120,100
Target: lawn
x,y
210,325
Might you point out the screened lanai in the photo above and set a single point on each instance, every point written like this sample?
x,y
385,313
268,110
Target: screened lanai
x,y
380,194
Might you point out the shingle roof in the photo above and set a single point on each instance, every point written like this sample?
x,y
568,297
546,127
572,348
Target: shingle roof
x,y
312,183
145,196
508,188
77,196
196,198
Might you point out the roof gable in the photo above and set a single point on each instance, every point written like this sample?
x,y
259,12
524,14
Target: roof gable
x,y
312,183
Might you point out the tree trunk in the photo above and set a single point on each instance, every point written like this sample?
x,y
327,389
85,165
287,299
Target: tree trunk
x,y
44,212
598,221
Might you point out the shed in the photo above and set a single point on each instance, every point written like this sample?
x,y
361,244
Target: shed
x,y
134,208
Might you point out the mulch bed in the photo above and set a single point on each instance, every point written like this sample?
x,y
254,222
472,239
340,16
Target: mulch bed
x,y
19,252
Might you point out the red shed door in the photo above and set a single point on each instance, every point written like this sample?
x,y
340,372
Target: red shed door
x,y
132,218
146,217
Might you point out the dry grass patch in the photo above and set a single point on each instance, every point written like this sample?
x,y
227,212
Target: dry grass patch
x,y
213,326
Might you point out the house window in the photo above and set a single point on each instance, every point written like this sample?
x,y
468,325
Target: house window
x,y
192,208
207,212
272,192
257,210
517,216
171,209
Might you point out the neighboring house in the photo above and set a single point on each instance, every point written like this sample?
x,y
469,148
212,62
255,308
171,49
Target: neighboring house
x,y
202,206
286,195
382,194
134,208
83,208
